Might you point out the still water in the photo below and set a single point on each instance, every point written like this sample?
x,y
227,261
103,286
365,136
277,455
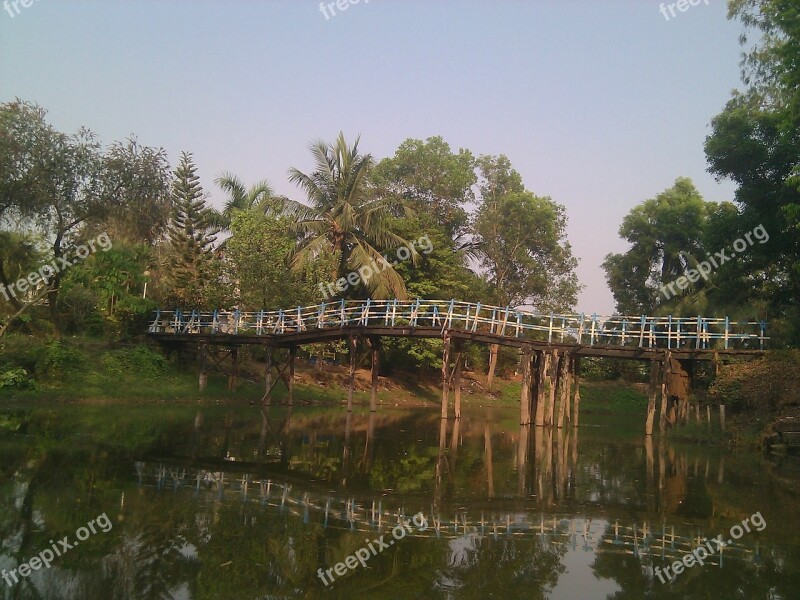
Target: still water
x,y
211,502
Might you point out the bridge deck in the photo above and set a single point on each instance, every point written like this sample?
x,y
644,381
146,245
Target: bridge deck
x,y
639,337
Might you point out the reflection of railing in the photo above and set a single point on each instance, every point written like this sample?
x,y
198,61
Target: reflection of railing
x,y
643,541
638,331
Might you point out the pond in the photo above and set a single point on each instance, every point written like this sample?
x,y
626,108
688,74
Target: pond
x,y
213,502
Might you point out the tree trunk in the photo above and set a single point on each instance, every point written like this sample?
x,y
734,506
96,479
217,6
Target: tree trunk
x,y
493,349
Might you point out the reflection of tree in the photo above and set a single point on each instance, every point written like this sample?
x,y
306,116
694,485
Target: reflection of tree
x,y
735,580
503,567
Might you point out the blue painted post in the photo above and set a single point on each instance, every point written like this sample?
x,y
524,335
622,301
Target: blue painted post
x,y
669,332
519,323
699,328
624,328
580,329
727,330
299,319
236,316
642,325
321,316
550,330
594,325
477,312
341,318
763,334
366,316
215,322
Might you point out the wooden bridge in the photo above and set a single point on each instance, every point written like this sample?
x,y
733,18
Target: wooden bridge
x,y
551,346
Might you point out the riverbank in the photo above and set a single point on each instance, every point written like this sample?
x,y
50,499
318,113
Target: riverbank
x,y
95,372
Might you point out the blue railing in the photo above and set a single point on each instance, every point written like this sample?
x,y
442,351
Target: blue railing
x,y
591,330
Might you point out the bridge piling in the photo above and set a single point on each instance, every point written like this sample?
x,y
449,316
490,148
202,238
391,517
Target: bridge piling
x,y
651,397
267,399
445,375
459,349
542,361
203,378
561,384
233,376
576,368
374,342
525,392
290,381
351,346
551,404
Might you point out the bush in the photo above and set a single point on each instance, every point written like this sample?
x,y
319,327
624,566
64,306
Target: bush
x,y
23,351
58,359
139,360
77,307
15,378
132,315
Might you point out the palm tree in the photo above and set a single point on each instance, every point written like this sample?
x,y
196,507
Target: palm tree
x,y
259,197
346,218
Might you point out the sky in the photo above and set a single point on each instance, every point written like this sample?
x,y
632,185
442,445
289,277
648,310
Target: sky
x,y
598,104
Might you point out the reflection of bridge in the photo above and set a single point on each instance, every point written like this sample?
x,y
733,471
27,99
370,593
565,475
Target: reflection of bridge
x,y
647,541
551,344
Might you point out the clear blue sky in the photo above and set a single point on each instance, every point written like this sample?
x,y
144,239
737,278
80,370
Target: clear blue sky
x,y
598,104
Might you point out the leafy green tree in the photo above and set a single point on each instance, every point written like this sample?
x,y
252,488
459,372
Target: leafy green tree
x,y
345,217
754,142
432,180
259,252
192,269
522,242
665,232
136,180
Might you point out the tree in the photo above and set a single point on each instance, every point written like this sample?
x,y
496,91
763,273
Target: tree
x,y
665,232
755,142
432,180
61,184
259,197
522,244
345,218
259,252
192,270
136,182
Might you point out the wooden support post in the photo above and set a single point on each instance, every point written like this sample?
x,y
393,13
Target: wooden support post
x,y
351,345
563,373
662,422
652,392
290,382
267,399
551,405
233,376
722,417
568,390
543,363
445,374
374,343
203,381
457,378
525,392
576,363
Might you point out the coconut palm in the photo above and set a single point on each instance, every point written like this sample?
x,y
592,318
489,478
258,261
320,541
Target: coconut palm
x,y
345,217
259,197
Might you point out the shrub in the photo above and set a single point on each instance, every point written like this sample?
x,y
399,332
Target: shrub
x,y
139,359
15,378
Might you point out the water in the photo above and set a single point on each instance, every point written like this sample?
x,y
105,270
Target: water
x,y
216,503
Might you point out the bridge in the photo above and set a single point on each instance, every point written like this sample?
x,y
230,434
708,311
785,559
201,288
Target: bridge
x,y
551,346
